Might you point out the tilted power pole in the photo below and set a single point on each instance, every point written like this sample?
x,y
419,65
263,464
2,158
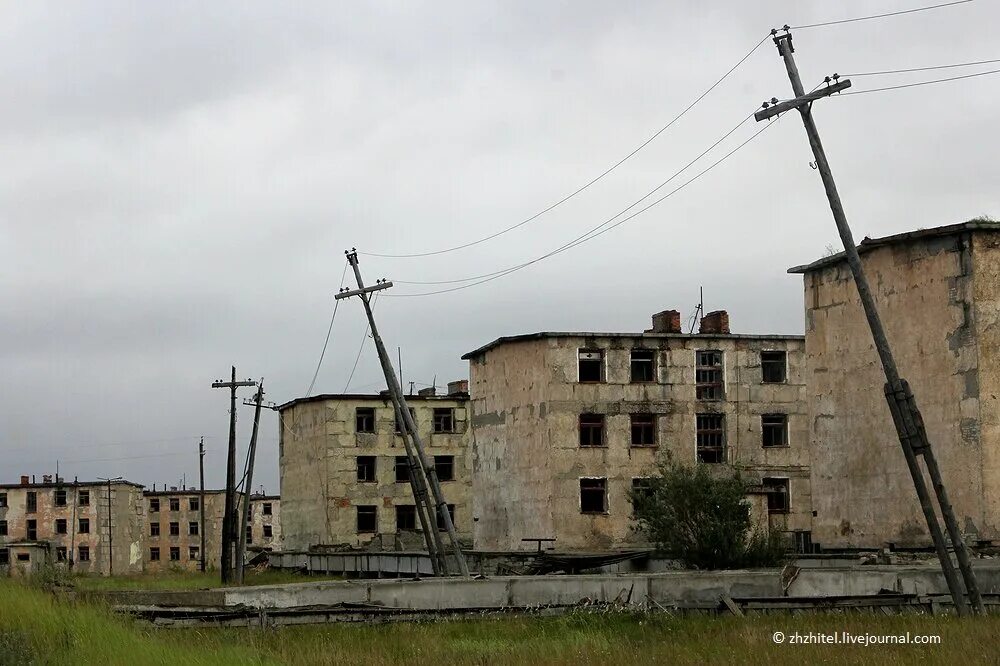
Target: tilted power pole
x,y
201,501
902,405
241,548
229,514
400,403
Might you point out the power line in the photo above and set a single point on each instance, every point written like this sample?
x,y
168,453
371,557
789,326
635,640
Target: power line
x,y
922,69
361,347
878,16
319,364
589,183
920,83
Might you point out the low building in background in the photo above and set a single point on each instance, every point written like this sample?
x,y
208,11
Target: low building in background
x,y
264,523
174,529
565,425
92,527
344,476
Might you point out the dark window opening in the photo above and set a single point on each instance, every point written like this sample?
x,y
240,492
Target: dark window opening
x,y
413,417
777,495
774,429
4,556
3,500
60,498
402,469
154,554
708,376
444,419
440,520
31,501
268,531
643,365
193,552
445,467
406,517
175,553
3,528
593,495
193,528
31,530
643,429
154,505
84,526
154,529
175,529
249,533
642,489
366,469
83,554
61,526
364,419
61,553
84,498
591,365
265,509
23,557
193,504
773,367
367,519
711,438
591,429
175,504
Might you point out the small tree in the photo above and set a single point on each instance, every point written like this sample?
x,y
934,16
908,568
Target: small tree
x,y
702,518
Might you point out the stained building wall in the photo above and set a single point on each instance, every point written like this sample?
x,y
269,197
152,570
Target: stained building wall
x,y
265,522
937,295
527,458
158,541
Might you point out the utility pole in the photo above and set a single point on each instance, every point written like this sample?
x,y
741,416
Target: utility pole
x,y
229,514
201,500
251,455
902,404
394,389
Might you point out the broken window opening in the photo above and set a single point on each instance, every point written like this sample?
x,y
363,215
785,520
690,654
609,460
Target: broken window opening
x,y
154,505
268,532
366,469
777,495
445,467
154,554
440,520
406,517
642,489
3,500
249,533
193,504
61,527
193,552
591,430
83,554
708,376
175,553
444,419
643,429
83,498
711,438
3,528
593,495
774,429
4,556
60,498
31,530
61,553
774,367
265,509
154,529
175,504
413,417
31,501
364,419
402,469
643,365
367,522
590,365
193,528
84,527
175,529
23,557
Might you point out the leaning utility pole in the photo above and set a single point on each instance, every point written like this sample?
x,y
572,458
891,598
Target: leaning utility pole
x,y
229,515
394,389
241,549
201,500
902,405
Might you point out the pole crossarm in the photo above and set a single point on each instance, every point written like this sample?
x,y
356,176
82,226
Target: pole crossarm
x,y
222,384
775,109
357,292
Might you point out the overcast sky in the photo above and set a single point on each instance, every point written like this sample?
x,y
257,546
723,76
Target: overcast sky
x,y
180,180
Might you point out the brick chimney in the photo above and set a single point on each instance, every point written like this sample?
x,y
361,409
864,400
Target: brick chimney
x,y
428,392
668,321
24,479
460,386
715,322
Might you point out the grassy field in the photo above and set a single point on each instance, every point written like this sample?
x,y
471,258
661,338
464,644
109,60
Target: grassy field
x,y
186,580
37,629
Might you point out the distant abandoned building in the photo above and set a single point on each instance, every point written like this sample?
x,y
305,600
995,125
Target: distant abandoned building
x,y
566,424
344,474
938,291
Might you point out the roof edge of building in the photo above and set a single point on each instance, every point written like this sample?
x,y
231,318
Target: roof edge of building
x,y
460,397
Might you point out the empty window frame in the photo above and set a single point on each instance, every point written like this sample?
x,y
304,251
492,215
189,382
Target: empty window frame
x,y
193,528
413,417
31,530
265,509
61,553
591,430
175,504
3,528
773,367
83,498
193,552
642,366
250,513
249,533
154,554
711,438
440,521
84,526
154,529
61,527
154,505
444,419
31,501
708,376
175,553
367,520
193,504
643,429
24,557
445,467
366,469
4,556
83,554
593,495
406,517
774,429
642,488
777,495
175,529
590,364
364,419
402,469
60,498
268,532
3,500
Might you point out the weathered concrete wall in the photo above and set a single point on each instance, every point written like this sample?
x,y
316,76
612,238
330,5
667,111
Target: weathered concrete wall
x,y
527,458
320,491
215,504
938,301
263,522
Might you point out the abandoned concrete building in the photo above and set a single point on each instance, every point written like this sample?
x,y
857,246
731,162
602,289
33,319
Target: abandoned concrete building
x,y
938,292
344,475
95,527
564,425
264,523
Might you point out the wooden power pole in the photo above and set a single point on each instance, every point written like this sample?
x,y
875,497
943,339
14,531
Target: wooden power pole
x,y
902,405
399,403
229,514
201,501
248,484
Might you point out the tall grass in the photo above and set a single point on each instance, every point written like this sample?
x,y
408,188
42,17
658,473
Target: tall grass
x,y
186,580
